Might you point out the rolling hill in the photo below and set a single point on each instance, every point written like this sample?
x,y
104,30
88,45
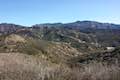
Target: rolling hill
x,y
57,51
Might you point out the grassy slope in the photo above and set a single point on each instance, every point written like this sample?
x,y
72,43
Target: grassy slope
x,y
46,60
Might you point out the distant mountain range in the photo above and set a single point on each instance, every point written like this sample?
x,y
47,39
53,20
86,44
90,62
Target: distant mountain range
x,y
82,25
78,25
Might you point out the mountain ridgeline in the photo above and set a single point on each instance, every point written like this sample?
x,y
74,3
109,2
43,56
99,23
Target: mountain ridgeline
x,y
78,25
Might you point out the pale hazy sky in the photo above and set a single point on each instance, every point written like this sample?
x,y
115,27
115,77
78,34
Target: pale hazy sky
x,y
29,12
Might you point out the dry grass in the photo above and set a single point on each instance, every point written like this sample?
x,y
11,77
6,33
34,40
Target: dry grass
x,y
100,71
93,71
14,66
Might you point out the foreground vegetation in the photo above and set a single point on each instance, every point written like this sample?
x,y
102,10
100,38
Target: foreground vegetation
x,y
24,67
18,66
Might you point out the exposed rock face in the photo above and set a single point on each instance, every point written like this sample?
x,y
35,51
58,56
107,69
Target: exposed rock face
x,y
8,28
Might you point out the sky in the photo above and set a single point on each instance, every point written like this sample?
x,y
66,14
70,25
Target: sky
x,y
30,12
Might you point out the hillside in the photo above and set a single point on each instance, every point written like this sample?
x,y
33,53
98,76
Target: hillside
x,y
73,51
